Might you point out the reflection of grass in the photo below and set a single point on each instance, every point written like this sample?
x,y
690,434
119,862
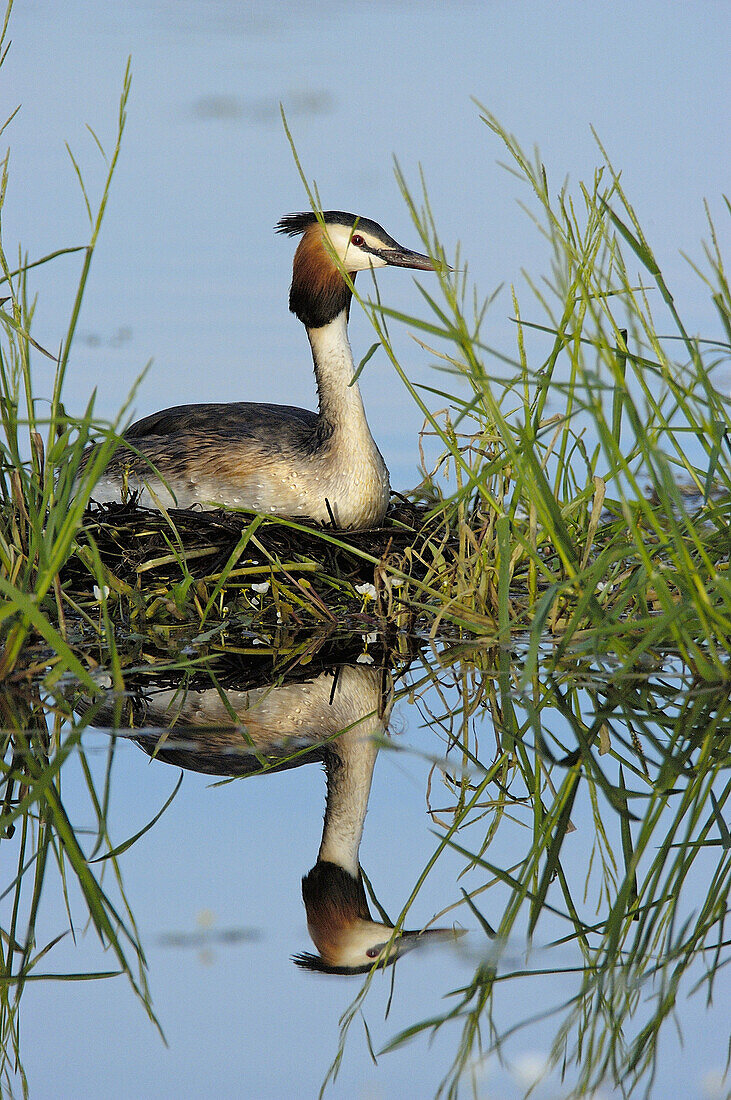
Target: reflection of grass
x,y
640,768
554,512
36,832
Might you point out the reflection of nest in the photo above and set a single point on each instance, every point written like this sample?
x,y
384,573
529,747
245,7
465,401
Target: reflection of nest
x,y
137,543
234,719
229,670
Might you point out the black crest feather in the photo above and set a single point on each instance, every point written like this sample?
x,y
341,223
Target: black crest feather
x,y
307,961
294,224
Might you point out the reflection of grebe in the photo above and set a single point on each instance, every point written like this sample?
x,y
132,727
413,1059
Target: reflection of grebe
x,y
349,941
275,458
335,718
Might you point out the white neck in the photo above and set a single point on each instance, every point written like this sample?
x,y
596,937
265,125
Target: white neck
x,y
340,402
349,775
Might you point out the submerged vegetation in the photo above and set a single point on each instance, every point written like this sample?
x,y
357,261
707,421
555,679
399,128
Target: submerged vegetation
x,y
560,579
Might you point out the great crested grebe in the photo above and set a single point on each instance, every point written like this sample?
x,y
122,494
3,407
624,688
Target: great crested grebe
x,y
335,718
279,459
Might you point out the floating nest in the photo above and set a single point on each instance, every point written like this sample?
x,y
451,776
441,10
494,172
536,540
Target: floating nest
x,y
190,555
133,541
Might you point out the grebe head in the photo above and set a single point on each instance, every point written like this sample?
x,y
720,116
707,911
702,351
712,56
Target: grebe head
x,y
330,244
349,941
358,243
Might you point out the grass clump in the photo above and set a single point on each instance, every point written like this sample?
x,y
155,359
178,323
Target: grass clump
x,y
588,488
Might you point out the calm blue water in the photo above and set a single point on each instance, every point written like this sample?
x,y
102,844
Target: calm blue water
x,y
242,1020
190,275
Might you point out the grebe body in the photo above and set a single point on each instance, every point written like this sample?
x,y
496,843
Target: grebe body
x,y
286,461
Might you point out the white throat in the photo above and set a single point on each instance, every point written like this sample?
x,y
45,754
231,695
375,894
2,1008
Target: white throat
x,y
340,400
349,778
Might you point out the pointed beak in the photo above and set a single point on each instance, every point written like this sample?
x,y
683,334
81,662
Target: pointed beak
x,y
404,257
408,940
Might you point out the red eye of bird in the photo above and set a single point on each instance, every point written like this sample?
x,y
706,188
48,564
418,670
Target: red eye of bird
x,y
357,240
